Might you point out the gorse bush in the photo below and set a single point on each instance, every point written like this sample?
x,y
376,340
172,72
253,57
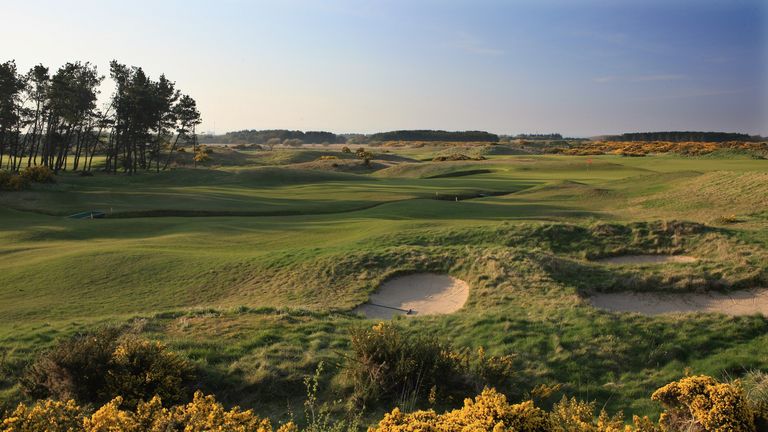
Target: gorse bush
x,y
700,403
73,369
203,413
389,364
139,368
13,182
38,174
96,367
693,404
22,180
489,411
49,416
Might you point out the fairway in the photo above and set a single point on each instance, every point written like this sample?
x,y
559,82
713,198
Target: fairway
x,y
238,265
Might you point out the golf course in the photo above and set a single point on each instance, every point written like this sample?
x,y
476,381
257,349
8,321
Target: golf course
x,y
257,265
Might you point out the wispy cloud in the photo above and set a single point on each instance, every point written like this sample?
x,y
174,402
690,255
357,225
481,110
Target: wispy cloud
x,y
473,44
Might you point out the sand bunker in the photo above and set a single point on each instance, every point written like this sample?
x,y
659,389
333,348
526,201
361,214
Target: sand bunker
x,y
417,294
746,302
647,259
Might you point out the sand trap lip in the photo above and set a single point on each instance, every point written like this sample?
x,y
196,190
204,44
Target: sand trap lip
x,y
421,294
745,302
647,259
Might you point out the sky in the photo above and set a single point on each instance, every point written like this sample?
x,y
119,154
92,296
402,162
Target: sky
x,y
578,67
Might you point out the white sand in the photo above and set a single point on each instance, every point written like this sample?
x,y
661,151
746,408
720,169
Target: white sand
x,y
647,259
746,302
421,294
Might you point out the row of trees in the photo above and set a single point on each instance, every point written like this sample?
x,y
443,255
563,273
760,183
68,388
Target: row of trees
x,y
435,135
682,136
53,120
538,137
254,136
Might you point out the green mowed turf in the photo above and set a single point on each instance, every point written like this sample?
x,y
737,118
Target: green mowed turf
x,y
258,287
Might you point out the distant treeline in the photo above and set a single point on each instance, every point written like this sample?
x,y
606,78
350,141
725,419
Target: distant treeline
x,y
678,136
535,137
435,135
253,136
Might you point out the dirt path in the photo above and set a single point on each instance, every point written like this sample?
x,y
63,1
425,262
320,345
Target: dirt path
x,y
647,259
421,294
746,302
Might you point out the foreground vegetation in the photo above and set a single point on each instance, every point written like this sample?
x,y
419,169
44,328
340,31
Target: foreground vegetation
x,y
247,268
140,386
697,403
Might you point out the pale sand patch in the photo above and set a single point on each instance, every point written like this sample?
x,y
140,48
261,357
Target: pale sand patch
x,y
647,259
745,302
421,294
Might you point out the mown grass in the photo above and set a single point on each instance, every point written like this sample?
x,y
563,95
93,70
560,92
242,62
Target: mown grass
x,y
258,288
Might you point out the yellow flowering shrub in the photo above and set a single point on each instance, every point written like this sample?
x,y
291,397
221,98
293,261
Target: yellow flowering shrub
x,y
489,411
95,367
700,403
140,368
203,414
575,415
49,416
109,418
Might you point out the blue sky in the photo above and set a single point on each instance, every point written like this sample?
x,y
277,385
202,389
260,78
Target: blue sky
x,y
580,67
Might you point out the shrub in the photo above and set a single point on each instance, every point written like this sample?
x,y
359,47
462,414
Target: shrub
x,y
96,367
140,368
456,157
38,174
293,142
73,369
204,413
365,155
575,415
5,178
18,183
12,182
727,220
489,411
700,403
272,142
202,155
49,416
346,149
390,364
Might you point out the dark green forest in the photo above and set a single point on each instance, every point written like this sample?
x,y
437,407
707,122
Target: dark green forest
x,y
435,135
252,136
678,136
